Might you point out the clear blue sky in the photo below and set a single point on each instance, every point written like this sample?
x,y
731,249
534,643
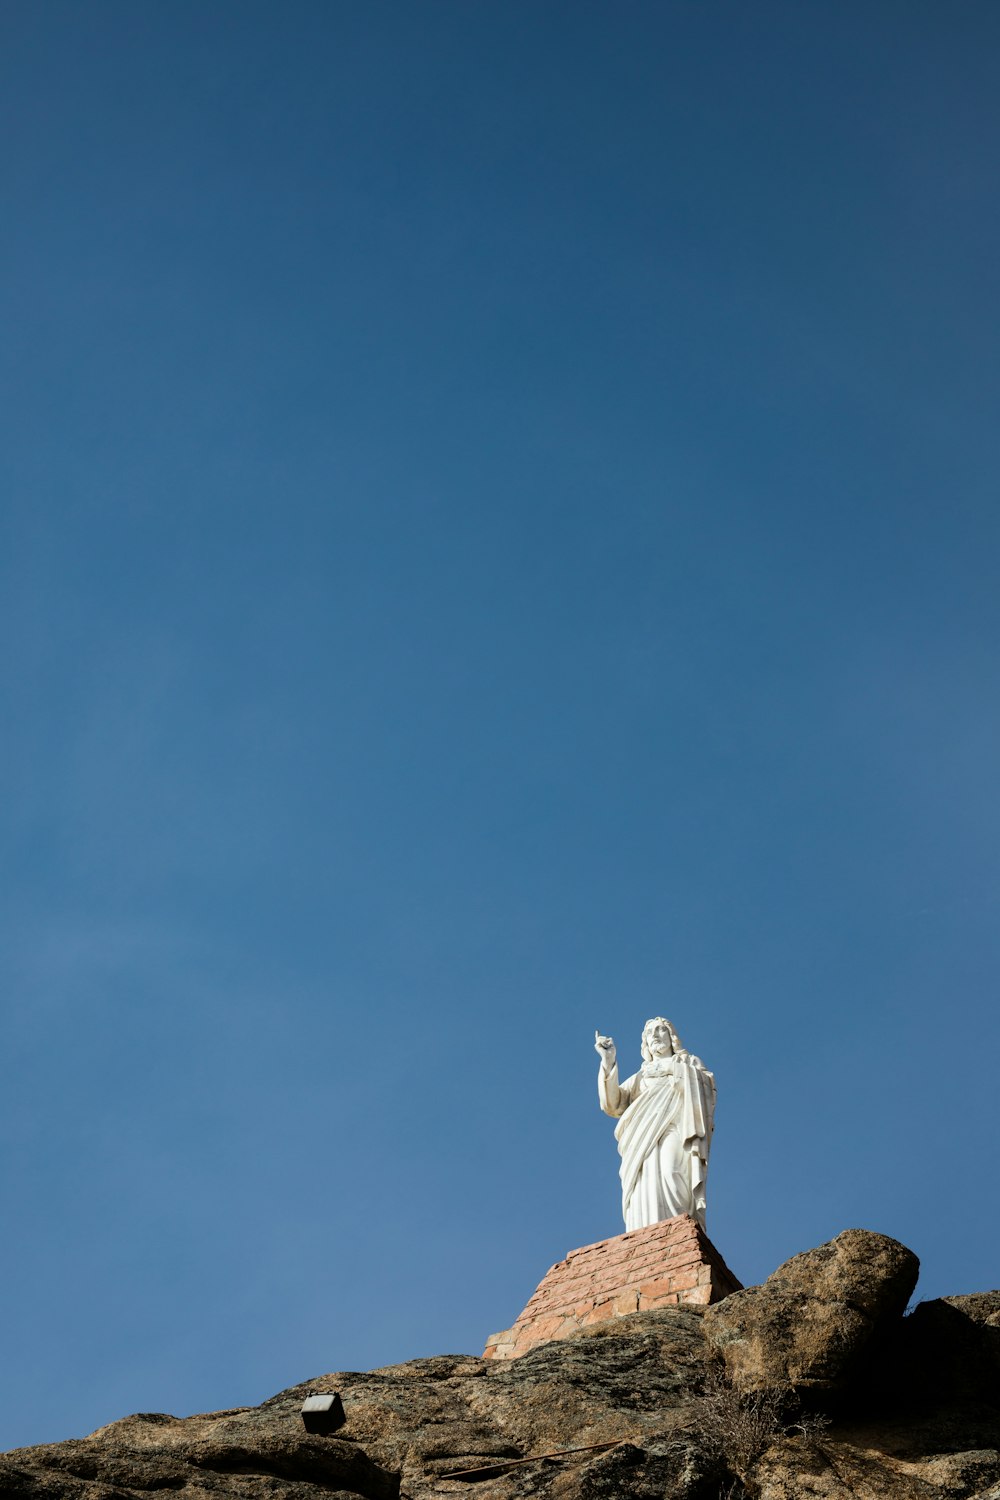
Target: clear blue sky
x,y
499,538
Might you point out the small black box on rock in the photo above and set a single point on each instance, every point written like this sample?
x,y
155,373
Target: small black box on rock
x,y
323,1413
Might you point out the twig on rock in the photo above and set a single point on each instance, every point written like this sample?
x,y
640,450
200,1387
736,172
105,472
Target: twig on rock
x,y
511,1463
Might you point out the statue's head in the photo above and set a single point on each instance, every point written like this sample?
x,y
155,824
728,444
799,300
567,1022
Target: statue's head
x,y
659,1039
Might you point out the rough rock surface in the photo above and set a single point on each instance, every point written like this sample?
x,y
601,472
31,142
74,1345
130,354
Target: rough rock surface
x,y
809,1322
410,1424
919,1419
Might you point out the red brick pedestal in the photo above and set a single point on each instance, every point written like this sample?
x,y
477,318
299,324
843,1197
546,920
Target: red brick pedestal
x,y
659,1266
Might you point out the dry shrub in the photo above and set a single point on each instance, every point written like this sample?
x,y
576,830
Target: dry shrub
x,y
733,1430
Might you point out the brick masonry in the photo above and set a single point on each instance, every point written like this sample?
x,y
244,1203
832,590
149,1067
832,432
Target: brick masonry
x,y
659,1266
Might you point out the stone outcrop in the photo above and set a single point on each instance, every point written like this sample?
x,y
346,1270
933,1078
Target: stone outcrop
x,y
409,1425
635,1408
659,1266
809,1322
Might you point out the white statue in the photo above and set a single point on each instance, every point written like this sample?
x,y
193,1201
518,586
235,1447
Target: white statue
x,y
665,1115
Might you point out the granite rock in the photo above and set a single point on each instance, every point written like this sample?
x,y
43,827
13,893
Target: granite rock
x,y
918,1418
807,1325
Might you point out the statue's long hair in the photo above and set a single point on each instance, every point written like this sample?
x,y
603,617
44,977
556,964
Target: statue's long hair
x,y
675,1041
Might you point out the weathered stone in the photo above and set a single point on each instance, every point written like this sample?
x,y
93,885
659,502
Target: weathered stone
x,y
807,1325
869,1272
205,1456
981,1307
838,1470
941,1360
919,1421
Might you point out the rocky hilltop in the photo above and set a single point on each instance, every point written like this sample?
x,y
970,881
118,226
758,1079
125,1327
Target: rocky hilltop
x,y
814,1384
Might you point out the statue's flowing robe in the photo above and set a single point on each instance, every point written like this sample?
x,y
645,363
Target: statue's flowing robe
x,y
665,1116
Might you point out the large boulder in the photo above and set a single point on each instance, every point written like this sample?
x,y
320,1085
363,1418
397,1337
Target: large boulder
x,y
942,1362
806,1325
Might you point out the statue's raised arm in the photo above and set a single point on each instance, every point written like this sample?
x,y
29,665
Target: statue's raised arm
x,y
665,1114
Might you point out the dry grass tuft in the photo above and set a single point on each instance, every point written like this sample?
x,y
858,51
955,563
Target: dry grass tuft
x,y
733,1430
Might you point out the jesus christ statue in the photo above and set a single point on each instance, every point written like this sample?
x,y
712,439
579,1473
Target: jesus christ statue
x,y
665,1114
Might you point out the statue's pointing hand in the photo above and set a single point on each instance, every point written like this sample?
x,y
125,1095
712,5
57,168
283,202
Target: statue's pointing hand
x,y
606,1050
